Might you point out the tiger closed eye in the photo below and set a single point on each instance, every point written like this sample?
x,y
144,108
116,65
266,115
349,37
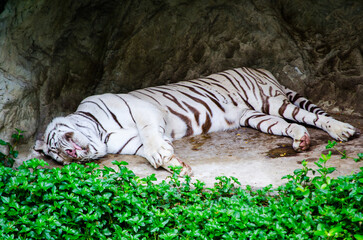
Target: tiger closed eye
x,y
68,135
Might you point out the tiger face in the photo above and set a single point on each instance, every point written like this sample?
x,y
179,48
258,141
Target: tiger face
x,y
66,143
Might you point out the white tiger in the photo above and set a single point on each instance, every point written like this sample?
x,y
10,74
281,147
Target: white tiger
x,y
146,121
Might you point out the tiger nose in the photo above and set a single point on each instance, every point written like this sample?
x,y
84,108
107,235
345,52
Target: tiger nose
x,y
72,152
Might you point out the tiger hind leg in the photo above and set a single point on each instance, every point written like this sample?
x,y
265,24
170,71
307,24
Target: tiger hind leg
x,y
338,130
277,126
303,102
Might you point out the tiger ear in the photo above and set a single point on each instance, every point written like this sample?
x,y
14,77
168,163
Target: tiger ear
x,y
40,146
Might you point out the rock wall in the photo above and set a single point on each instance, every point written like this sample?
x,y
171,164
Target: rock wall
x,y
55,53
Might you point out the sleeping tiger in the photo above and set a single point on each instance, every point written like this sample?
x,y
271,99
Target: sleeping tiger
x,y
146,121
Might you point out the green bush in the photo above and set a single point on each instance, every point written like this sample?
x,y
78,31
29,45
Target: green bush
x,y
8,159
84,202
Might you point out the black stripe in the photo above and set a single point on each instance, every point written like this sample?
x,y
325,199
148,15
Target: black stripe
x,y
233,101
190,88
171,98
112,114
258,115
90,117
49,138
230,80
252,83
313,109
258,73
308,105
93,147
269,128
207,124
140,91
127,105
283,107
185,119
315,120
262,73
209,94
245,101
83,102
258,126
63,125
243,78
122,148
295,98
107,137
302,104
295,112
138,148
198,101
216,84
194,111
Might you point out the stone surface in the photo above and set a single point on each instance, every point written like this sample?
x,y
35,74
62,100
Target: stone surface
x,y
55,53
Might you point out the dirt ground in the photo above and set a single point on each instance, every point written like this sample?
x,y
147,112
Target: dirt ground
x,y
255,158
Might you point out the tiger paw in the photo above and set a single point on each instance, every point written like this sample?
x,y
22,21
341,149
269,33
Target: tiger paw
x,y
159,152
301,138
174,161
340,131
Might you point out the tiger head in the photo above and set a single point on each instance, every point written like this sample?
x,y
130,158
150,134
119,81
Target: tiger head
x,y
67,143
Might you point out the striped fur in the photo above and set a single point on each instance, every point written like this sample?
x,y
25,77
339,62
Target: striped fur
x,y
145,122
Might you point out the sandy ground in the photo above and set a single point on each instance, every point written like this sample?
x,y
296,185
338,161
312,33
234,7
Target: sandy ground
x,y
255,158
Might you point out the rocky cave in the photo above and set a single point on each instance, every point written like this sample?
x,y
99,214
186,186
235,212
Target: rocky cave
x,y
55,53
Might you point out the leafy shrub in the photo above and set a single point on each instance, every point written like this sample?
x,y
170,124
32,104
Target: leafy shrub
x,y
84,202
9,158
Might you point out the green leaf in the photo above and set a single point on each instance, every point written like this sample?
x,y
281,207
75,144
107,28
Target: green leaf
x,y
335,230
287,177
331,169
325,158
360,157
107,232
331,144
117,163
107,195
318,164
19,131
5,200
358,237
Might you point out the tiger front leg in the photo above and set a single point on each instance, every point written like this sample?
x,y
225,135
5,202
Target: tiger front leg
x,y
157,147
277,126
159,151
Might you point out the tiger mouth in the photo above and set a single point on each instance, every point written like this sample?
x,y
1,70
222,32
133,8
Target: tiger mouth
x,y
72,152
